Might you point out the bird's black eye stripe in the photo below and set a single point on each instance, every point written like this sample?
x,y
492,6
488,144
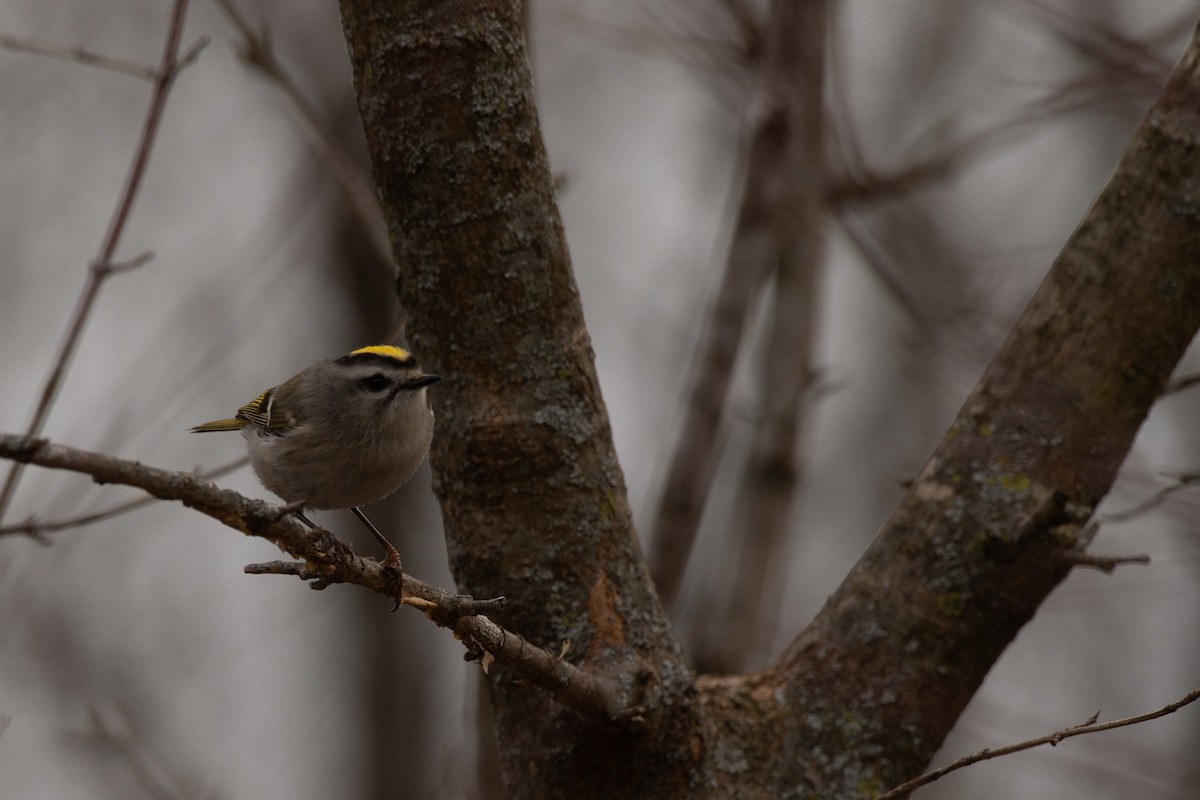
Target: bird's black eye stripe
x,y
376,382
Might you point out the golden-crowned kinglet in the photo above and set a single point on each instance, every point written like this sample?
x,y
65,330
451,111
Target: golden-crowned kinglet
x,y
340,434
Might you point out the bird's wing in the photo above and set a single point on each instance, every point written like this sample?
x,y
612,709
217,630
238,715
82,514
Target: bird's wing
x,y
262,413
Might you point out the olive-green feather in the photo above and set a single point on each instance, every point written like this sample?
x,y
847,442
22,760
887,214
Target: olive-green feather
x,y
259,412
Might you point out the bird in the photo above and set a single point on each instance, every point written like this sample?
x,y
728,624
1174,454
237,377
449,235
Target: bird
x,y
341,433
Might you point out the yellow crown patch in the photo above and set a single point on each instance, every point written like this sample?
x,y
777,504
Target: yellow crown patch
x,y
385,350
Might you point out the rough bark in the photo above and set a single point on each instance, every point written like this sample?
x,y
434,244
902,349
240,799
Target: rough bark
x,y
534,501
979,540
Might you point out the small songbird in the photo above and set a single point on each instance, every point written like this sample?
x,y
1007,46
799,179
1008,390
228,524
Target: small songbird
x,y
341,433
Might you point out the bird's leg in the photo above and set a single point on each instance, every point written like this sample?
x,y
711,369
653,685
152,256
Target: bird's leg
x,y
393,558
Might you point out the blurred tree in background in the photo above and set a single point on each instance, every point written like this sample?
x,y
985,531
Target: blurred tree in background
x,y
877,191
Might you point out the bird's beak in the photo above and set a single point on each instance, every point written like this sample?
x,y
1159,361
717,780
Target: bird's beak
x,y
423,380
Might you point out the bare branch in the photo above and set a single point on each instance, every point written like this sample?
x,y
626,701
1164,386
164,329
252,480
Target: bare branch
x,y
444,606
768,481
779,183
1183,481
1120,61
750,27
124,266
115,736
1090,726
859,183
328,560
581,690
37,530
101,266
1103,563
719,55
77,54
970,549
256,51
1182,382
302,571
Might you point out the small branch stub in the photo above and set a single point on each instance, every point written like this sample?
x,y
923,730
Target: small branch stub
x,y
1103,563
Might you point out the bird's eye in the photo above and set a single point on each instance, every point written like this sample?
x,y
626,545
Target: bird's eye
x,y
375,383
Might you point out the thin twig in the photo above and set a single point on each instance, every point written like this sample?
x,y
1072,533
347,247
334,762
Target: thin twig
x,y
1090,726
453,606
1184,480
102,265
1103,563
37,529
77,54
126,266
130,748
328,561
1120,60
1181,383
750,27
257,52
721,57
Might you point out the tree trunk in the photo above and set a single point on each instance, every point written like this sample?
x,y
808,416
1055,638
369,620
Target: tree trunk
x,y
532,496
534,501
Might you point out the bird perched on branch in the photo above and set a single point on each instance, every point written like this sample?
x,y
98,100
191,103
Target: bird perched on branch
x,y
341,433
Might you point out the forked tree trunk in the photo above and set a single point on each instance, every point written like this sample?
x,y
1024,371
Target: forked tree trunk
x,y
534,500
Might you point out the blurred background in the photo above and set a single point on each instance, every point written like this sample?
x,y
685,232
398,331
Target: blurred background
x,y
136,658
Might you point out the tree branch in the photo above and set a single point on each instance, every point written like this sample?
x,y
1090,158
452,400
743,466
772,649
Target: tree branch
x,y
532,494
37,529
115,737
102,266
77,54
782,184
256,52
1090,726
1105,564
732,636
327,560
1183,481
975,547
1182,382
